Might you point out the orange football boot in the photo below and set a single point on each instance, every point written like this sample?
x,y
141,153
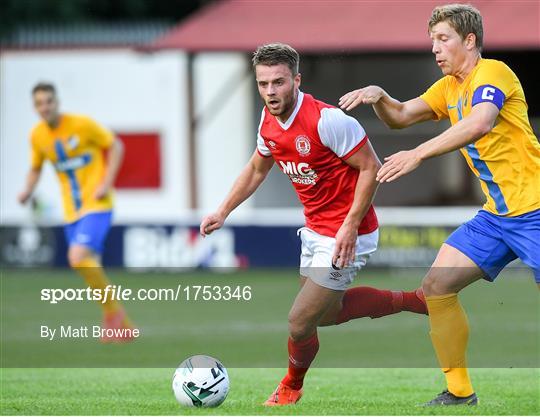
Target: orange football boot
x,y
283,395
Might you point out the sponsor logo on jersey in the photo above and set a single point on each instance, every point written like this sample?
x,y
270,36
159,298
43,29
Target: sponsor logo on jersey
x,y
300,173
74,163
302,145
272,144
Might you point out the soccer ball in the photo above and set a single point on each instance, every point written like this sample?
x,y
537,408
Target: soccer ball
x,y
200,381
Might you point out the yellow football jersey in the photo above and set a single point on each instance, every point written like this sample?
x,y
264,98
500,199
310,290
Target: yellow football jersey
x,y
507,159
75,148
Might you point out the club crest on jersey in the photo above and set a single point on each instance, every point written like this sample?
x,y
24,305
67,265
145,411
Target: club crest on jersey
x,y
73,142
302,145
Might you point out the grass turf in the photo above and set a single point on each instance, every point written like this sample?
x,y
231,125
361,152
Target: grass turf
x,y
327,392
361,368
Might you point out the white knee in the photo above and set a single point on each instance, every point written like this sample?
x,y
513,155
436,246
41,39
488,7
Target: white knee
x,y
77,254
434,285
299,328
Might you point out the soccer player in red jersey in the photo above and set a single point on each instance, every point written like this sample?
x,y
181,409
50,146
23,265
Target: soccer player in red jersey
x,y
332,166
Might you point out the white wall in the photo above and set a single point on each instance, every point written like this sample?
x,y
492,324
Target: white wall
x,y
226,135
123,90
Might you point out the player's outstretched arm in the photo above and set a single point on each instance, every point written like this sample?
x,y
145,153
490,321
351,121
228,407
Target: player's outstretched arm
x,y
31,181
395,114
247,182
366,161
115,155
471,128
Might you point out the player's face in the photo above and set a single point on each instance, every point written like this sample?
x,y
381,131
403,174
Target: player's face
x,y
449,49
278,88
46,105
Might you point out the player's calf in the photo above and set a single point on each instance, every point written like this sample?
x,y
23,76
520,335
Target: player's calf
x,y
370,302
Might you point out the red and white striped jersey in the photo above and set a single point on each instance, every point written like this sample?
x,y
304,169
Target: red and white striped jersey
x,y
311,148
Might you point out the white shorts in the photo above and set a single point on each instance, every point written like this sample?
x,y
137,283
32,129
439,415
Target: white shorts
x,y
316,258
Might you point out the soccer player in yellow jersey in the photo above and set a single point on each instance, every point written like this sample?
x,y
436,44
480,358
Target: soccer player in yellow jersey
x,y
75,145
486,106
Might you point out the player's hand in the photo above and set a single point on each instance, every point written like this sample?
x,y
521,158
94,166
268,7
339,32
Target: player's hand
x,y
344,252
24,196
101,192
367,95
398,164
211,223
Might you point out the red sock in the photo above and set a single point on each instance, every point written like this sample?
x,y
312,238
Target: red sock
x,y
372,302
415,301
301,354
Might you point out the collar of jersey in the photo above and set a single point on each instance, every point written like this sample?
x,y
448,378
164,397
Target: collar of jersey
x,y
291,118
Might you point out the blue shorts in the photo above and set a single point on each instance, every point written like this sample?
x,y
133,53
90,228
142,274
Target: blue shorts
x,y
90,230
493,241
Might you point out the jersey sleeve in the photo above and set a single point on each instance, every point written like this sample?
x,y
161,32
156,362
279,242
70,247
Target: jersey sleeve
x,y
99,135
435,97
340,132
36,156
492,83
262,149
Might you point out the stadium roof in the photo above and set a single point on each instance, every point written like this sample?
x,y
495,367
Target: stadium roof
x,y
342,25
102,34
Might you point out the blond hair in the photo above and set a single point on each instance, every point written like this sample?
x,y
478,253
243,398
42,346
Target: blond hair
x,y
463,18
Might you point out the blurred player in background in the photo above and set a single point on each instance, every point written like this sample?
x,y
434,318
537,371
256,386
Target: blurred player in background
x,y
332,166
75,145
486,105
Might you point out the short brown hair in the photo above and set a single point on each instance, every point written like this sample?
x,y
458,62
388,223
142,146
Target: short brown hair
x,y
275,54
44,86
463,18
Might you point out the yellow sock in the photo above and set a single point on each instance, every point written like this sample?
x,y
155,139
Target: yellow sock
x,y
449,335
94,276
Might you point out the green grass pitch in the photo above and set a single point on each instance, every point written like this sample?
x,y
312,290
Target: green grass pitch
x,y
364,367
327,392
